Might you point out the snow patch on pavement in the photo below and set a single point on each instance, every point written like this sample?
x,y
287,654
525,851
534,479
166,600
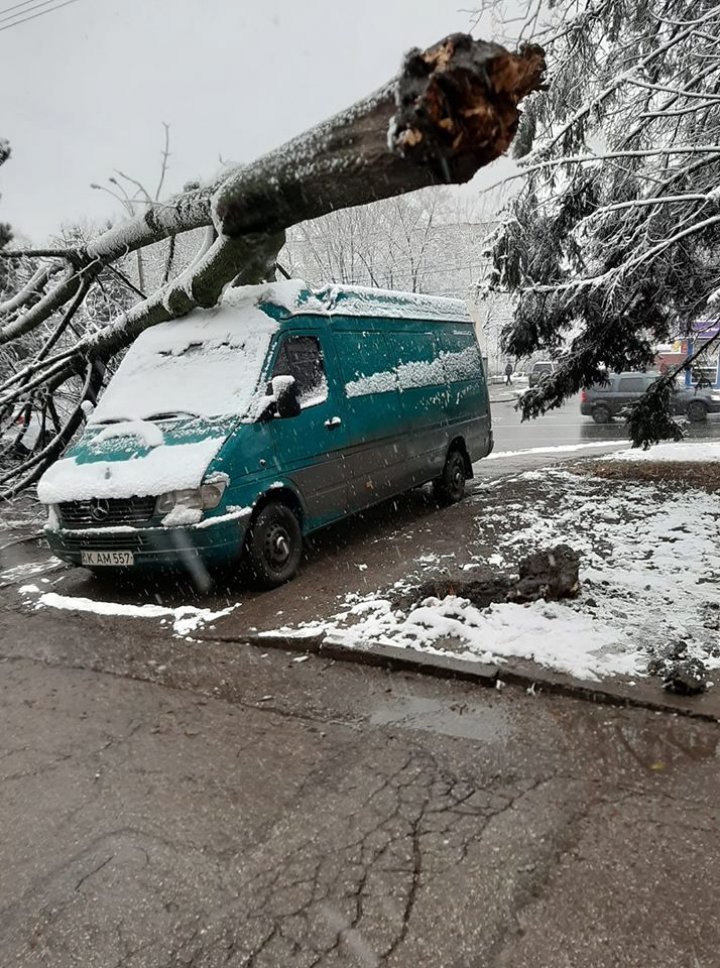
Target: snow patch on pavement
x,y
557,449
185,618
10,576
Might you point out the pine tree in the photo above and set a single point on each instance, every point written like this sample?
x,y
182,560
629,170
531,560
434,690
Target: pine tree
x,y
612,242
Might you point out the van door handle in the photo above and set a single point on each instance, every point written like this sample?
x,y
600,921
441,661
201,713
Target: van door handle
x,y
333,422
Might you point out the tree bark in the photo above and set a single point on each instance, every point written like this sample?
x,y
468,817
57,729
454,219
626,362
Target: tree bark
x,y
452,110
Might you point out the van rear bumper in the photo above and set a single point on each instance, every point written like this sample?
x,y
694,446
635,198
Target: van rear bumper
x,y
171,548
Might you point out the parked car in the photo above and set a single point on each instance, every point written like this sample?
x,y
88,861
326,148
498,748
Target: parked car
x,y
244,428
603,402
539,370
21,436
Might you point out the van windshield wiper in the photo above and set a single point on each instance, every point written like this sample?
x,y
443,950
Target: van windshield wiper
x,y
161,415
171,415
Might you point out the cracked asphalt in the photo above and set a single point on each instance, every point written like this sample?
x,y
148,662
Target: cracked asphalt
x,y
167,802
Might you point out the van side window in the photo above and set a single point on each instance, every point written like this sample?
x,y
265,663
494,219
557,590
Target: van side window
x,y
301,357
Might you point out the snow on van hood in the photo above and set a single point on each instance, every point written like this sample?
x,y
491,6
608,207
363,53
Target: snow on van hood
x,y
163,468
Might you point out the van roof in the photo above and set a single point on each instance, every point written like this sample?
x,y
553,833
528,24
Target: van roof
x,y
295,298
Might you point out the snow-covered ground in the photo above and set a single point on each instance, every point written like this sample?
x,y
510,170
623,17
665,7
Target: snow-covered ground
x,y
184,619
650,567
687,452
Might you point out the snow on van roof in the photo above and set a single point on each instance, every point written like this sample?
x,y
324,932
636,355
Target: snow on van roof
x,y
363,301
209,362
297,298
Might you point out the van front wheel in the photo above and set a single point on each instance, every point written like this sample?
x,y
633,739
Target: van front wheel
x,y
449,488
274,546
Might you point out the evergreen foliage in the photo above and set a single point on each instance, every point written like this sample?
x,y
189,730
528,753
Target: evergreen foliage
x,y
612,243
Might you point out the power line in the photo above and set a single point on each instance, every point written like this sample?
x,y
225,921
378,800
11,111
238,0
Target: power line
x,y
16,23
34,5
24,3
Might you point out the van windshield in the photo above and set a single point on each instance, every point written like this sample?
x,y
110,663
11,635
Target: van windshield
x,y
205,365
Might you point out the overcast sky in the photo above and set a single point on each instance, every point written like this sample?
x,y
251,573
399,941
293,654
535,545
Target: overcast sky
x,y
86,87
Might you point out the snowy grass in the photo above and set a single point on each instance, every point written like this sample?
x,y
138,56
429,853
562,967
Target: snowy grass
x,y
649,572
690,451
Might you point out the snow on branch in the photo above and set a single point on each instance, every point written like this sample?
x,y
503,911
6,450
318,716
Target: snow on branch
x,y
612,242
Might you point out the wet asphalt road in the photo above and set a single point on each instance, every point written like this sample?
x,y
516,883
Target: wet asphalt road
x,y
167,802
566,427
173,803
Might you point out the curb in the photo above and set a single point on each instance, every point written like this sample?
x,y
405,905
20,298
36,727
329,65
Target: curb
x,y
534,679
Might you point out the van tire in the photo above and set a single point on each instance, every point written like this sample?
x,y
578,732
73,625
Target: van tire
x,y
601,414
273,546
449,488
696,411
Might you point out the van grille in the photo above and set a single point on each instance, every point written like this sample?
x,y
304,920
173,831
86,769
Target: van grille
x,y
106,512
156,541
98,541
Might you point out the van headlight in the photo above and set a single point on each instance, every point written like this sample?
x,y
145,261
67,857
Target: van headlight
x,y
203,498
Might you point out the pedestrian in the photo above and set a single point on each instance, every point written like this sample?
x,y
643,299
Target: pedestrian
x,y
508,374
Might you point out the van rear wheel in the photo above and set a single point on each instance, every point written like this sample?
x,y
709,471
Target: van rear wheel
x,y
449,488
274,546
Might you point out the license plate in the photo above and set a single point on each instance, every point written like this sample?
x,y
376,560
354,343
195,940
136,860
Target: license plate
x,y
116,558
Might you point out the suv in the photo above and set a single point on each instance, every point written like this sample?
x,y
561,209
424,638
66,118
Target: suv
x,y
539,370
603,402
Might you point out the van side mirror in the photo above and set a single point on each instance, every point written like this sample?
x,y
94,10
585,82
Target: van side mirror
x,y
286,397
281,399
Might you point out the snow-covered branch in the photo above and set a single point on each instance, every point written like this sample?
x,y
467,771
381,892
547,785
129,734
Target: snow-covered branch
x,y
612,243
452,109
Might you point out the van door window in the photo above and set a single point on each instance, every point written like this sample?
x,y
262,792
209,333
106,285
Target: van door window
x,y
302,357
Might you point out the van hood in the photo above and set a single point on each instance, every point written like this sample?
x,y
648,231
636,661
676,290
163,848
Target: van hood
x,y
136,458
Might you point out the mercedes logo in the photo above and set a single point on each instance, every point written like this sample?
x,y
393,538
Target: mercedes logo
x,y
99,509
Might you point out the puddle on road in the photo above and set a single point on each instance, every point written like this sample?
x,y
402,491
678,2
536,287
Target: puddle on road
x,y
466,720
626,738
667,744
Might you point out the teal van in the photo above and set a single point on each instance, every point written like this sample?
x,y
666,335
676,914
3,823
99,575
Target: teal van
x,y
237,431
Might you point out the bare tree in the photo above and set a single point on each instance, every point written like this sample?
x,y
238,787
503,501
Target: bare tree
x,y
452,109
386,244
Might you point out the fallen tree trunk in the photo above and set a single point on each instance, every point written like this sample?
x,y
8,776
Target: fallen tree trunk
x,y
452,110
